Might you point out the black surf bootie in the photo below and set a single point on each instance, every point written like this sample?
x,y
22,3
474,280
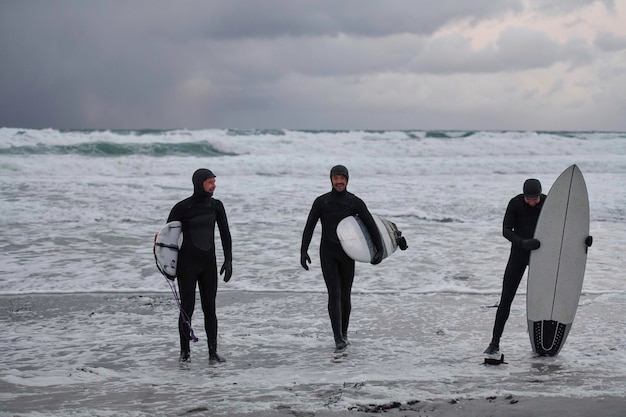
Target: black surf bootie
x,y
492,349
340,345
184,356
215,358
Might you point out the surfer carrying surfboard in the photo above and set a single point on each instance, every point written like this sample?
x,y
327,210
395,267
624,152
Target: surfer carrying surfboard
x,y
520,220
337,267
197,262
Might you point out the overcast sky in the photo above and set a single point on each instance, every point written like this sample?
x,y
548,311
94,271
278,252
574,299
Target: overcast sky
x,y
307,64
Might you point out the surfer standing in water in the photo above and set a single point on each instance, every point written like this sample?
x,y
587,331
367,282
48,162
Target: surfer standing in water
x,y
197,263
520,220
337,267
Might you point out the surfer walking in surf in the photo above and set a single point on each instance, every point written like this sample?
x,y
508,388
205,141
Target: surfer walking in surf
x,y
197,263
337,267
520,220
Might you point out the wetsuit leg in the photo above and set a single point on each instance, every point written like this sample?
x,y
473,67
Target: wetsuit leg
x,y
513,274
338,271
207,284
187,291
346,275
330,270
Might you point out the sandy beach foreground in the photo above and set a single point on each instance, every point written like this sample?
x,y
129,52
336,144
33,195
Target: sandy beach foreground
x,y
507,406
411,355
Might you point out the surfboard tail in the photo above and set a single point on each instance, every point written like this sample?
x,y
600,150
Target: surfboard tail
x,y
548,336
392,230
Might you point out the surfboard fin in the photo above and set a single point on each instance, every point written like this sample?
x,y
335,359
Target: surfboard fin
x,y
400,240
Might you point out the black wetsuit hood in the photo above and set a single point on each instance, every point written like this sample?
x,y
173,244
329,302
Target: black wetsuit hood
x,y
198,179
532,188
340,170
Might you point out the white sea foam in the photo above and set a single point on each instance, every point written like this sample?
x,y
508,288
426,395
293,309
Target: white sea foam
x,y
86,223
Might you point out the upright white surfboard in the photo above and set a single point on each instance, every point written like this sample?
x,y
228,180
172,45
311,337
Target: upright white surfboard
x,y
556,270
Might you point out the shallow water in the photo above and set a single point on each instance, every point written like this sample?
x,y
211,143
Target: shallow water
x,y
111,354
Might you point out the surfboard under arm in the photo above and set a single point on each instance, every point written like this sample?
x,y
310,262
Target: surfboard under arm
x,y
166,244
356,241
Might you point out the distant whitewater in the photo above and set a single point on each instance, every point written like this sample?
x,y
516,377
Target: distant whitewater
x,y
80,207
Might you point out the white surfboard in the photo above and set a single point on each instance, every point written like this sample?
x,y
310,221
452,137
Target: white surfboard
x,y
357,242
556,270
166,245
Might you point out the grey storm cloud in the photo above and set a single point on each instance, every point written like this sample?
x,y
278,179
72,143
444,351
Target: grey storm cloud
x,y
370,18
160,64
516,49
560,7
609,42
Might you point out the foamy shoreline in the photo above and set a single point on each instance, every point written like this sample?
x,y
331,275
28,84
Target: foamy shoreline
x,y
116,354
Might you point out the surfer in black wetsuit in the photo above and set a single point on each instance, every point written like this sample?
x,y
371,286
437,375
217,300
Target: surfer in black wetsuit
x,y
337,267
197,260
520,220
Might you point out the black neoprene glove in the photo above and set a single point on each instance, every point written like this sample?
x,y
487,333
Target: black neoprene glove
x,y
304,259
530,244
227,270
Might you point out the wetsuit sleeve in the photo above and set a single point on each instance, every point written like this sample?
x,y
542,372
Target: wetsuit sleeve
x,y
365,215
508,225
176,214
222,224
309,228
